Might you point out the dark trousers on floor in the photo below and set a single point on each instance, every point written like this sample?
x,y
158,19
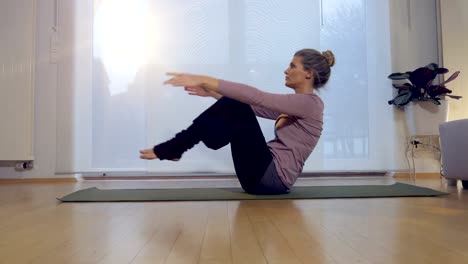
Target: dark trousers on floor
x,y
226,122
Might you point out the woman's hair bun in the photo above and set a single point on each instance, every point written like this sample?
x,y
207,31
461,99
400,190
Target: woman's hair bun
x,y
330,57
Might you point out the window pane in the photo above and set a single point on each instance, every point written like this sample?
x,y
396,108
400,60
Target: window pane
x,y
346,133
250,41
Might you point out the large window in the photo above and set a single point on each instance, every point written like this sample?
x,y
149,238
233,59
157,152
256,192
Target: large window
x,y
249,41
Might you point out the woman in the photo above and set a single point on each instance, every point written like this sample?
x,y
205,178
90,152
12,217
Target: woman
x,y
262,168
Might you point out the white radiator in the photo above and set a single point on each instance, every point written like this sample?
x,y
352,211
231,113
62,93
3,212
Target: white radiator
x,y
17,45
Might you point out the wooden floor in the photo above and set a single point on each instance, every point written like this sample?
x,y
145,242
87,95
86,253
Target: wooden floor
x,y
36,228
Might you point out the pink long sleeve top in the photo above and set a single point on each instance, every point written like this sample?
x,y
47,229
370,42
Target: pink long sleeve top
x,y
298,126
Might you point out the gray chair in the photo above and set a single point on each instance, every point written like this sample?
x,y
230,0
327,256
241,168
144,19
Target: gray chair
x,y
454,150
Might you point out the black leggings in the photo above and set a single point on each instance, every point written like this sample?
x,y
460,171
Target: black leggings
x,y
226,121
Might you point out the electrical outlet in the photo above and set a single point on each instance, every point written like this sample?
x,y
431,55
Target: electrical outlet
x,y
425,150
422,147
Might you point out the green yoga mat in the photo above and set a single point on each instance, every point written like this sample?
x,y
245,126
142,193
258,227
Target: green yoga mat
x,y
208,194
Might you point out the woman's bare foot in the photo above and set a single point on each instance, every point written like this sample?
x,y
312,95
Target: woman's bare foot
x,y
147,154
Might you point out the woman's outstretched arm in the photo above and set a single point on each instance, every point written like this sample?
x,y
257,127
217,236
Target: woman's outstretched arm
x,y
299,105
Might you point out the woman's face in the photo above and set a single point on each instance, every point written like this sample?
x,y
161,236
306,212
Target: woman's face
x,y
296,76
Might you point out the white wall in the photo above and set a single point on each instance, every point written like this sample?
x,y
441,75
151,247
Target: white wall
x,y
54,144
74,81
454,43
414,44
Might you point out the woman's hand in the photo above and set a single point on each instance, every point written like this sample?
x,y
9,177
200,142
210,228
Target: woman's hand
x,y
184,79
192,81
199,91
